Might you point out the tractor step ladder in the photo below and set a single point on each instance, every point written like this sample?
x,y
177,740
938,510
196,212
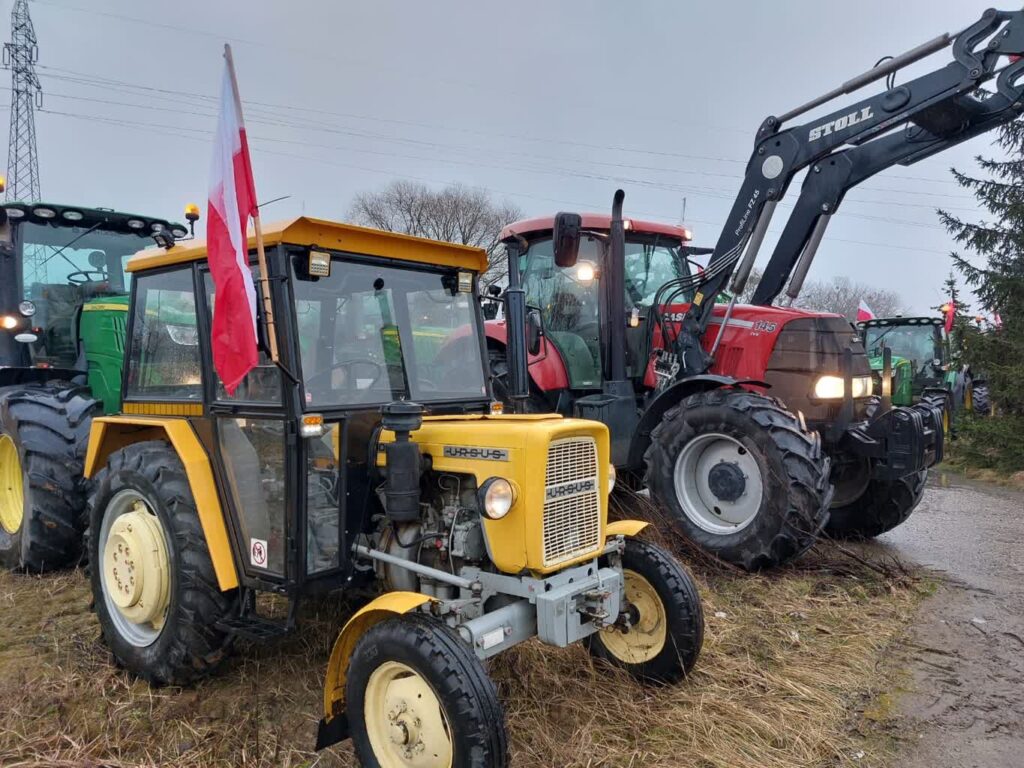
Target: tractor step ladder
x,y
249,625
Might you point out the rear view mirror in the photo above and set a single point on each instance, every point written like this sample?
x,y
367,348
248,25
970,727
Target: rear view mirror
x,y
566,238
533,332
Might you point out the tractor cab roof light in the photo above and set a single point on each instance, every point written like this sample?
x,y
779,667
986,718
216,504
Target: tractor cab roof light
x,y
136,224
44,213
15,213
312,425
72,215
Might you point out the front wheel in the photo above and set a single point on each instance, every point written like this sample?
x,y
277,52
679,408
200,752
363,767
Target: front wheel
x,y
881,507
153,583
663,631
418,698
740,476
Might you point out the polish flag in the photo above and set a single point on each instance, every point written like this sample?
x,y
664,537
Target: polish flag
x,y
864,312
950,308
232,202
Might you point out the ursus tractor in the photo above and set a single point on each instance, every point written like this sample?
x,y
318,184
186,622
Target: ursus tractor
x,y
755,427
367,454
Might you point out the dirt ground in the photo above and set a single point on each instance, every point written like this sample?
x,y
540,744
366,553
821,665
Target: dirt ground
x,y
964,703
794,673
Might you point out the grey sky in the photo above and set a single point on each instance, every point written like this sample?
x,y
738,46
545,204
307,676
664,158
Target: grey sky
x,y
552,105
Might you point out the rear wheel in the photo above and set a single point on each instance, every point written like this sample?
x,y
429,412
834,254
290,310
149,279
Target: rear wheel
x,y
881,507
982,404
740,477
418,698
155,591
44,431
665,622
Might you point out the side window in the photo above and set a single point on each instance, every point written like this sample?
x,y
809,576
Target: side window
x,y
164,359
263,383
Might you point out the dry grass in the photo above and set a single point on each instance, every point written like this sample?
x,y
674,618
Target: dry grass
x,y
793,674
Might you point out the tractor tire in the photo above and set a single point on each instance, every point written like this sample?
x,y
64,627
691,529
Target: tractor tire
x,y
158,615
982,403
667,630
412,678
740,476
44,433
881,507
534,403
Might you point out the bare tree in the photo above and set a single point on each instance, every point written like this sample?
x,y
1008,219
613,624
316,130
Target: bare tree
x,y
455,214
842,295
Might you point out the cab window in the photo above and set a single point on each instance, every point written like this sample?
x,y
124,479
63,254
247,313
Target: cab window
x,y
163,360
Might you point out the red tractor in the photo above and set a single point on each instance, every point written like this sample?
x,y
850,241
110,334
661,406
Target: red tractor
x,y
754,426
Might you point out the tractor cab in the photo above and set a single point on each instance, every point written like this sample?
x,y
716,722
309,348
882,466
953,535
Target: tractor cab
x,y
566,301
919,351
64,285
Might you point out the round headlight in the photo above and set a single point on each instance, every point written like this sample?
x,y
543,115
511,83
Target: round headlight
x,y
157,226
496,497
27,308
136,224
15,213
72,215
45,213
179,231
8,322
611,478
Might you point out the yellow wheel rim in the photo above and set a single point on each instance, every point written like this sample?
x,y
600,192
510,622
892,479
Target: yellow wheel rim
x,y
405,723
969,399
135,568
646,638
946,425
12,499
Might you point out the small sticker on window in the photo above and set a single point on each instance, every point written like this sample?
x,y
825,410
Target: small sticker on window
x,y
258,552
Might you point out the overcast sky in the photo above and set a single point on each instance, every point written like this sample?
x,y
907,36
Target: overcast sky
x,y
551,105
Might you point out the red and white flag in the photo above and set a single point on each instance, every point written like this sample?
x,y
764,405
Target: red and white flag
x,y
950,311
232,202
864,312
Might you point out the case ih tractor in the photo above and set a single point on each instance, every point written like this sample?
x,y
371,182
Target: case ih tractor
x,y
366,455
63,303
605,319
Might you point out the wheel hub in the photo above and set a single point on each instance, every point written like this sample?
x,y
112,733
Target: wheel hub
x,y
405,723
135,566
647,629
12,499
727,481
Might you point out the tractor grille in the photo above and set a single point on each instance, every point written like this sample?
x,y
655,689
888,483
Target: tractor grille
x,y
572,500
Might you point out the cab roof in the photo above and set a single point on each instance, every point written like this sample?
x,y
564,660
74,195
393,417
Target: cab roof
x,y
880,322
596,221
330,236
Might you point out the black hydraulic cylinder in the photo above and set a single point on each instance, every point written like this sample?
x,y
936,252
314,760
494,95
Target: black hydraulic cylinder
x,y
515,326
404,461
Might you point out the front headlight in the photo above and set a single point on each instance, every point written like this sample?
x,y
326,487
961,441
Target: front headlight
x,y
496,497
611,478
830,387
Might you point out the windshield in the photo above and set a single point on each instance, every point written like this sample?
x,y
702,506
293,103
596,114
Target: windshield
x,y
370,334
920,344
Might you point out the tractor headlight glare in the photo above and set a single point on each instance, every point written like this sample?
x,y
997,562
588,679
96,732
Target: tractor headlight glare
x,y
496,497
830,387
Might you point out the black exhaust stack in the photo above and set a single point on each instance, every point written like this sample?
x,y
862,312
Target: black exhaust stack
x,y
515,324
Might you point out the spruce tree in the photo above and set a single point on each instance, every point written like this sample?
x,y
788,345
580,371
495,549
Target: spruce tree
x,y
961,319
993,267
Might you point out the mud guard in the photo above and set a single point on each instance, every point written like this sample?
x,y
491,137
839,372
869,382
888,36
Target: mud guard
x,y
627,528
670,397
334,726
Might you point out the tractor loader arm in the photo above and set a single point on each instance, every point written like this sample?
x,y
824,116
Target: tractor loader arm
x,y
933,101
829,180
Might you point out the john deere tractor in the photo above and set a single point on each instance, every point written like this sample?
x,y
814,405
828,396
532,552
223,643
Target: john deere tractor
x,y
914,354
63,303
367,455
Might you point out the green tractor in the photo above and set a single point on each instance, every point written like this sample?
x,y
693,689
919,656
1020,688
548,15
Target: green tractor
x,y
920,365
63,306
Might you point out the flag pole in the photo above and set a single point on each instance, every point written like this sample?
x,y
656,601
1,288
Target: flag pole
x,y
264,281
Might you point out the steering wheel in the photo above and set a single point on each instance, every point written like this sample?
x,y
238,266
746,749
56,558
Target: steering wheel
x,y
323,377
83,276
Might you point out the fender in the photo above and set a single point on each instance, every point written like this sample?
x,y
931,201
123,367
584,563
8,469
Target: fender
x,y
546,368
627,528
110,433
670,397
334,726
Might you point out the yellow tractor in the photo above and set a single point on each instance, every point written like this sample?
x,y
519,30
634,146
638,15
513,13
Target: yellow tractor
x,y
368,454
